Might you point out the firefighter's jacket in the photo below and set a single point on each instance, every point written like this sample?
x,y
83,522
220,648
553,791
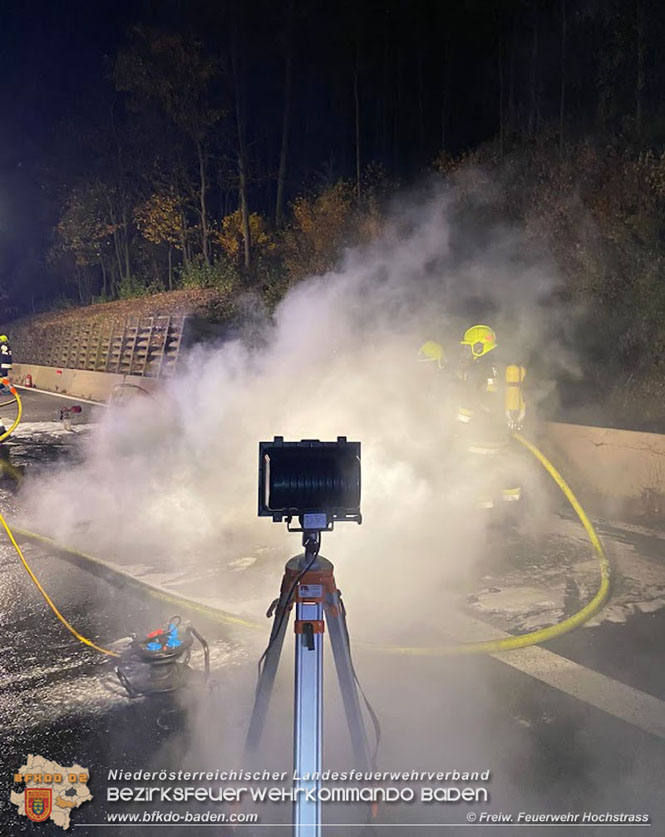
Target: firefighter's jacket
x,y
490,401
5,357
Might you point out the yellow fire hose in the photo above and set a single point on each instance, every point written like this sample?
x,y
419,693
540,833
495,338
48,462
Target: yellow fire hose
x,y
115,575
19,409
492,646
3,522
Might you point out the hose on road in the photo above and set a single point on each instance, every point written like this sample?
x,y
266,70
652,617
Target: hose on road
x,y
24,561
19,409
511,643
485,647
121,578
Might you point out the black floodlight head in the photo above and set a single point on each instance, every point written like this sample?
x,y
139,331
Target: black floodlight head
x,y
316,482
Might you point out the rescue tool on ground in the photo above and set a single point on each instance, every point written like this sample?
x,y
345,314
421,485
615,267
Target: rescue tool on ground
x,y
317,483
489,406
158,663
66,414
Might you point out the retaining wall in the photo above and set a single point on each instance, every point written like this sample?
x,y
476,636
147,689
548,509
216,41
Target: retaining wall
x,y
615,472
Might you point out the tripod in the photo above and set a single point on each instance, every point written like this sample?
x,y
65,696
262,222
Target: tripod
x,y
309,583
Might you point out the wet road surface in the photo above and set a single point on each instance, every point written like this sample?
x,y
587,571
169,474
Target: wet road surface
x,y
547,751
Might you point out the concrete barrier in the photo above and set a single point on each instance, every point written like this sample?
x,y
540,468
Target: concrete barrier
x,y
615,472
79,383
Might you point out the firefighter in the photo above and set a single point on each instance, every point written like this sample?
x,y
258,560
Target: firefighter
x,y
5,356
5,360
489,407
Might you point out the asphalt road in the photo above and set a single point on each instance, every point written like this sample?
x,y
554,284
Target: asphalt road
x,y
547,750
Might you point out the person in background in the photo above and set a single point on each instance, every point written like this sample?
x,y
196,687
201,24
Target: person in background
x,y
489,399
5,356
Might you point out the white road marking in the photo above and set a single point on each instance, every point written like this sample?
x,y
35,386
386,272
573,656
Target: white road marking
x,y
617,699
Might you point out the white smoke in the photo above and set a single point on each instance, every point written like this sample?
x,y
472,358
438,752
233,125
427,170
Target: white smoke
x,y
170,485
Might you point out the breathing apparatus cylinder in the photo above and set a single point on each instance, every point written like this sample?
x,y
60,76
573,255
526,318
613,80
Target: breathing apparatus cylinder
x,y
514,404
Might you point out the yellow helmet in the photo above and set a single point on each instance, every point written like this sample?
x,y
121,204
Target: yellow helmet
x,y
3,338
481,339
432,351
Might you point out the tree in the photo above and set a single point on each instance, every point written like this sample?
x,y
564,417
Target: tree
x,y
534,81
312,243
286,113
231,238
161,220
562,92
640,77
174,72
241,124
85,232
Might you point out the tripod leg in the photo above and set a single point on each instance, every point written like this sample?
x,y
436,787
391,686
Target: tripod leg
x,y
308,726
339,639
267,678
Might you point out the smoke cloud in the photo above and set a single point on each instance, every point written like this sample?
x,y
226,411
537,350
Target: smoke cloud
x,y
168,486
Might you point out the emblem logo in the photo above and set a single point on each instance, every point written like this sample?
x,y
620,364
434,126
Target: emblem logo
x,y
38,802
